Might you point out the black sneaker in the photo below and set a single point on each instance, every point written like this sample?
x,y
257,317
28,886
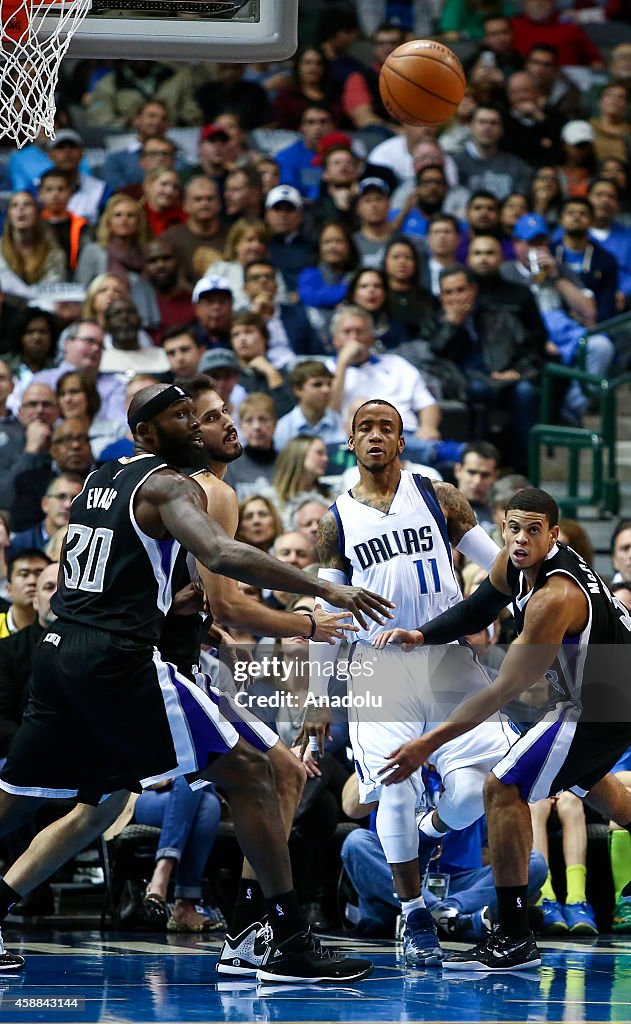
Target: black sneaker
x,y
10,961
496,953
301,958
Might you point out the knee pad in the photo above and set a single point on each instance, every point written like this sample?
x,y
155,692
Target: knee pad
x,y
462,803
396,823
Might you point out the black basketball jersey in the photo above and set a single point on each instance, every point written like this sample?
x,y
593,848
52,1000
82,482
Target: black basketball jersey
x,y
114,576
182,635
593,667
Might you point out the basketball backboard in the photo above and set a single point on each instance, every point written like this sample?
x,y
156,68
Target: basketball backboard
x,y
203,30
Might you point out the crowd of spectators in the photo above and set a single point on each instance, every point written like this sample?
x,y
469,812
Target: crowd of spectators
x,y
272,227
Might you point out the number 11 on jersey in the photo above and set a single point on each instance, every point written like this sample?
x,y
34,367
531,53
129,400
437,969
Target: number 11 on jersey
x,y
420,564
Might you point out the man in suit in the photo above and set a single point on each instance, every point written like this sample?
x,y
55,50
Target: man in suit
x,y
56,508
291,333
69,452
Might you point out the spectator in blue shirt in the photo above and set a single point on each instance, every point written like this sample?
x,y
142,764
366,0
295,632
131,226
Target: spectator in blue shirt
x,y
311,383
596,267
296,161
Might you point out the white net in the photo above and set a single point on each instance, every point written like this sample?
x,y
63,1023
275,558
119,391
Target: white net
x,y
35,35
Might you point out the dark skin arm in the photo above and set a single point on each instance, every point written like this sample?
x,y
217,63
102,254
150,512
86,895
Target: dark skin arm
x,y
169,504
231,607
559,609
317,721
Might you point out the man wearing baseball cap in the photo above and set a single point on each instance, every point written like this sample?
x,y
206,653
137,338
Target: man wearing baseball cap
x,y
291,248
375,229
89,194
212,301
211,154
564,302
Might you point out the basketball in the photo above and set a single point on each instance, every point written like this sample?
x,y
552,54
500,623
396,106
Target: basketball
x,y
422,82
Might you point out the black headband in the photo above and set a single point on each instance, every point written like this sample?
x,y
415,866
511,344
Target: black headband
x,y
155,405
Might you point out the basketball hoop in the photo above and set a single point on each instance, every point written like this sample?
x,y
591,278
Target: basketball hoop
x,y
34,37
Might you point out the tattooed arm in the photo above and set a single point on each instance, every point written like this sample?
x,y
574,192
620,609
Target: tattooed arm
x,y
328,544
457,511
464,533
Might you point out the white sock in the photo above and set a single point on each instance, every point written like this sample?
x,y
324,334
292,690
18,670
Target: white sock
x,y
407,906
426,826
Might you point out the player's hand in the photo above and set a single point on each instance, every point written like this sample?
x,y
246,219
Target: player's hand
x,y
407,638
331,626
189,600
317,724
404,761
358,601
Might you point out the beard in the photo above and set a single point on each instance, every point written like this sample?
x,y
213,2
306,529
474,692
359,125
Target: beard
x,y
179,454
222,455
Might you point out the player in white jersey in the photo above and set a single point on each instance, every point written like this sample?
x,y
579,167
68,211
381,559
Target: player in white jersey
x,y
395,529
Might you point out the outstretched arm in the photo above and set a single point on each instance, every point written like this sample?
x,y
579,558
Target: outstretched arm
x,y
179,505
557,609
231,607
317,722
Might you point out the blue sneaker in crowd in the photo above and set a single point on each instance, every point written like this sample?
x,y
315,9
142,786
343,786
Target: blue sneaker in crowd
x,y
420,940
580,919
554,922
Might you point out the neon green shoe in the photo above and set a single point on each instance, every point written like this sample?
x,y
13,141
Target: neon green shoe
x,y
622,916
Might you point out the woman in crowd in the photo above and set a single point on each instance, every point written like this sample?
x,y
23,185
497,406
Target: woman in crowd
x,y
4,545
618,170
546,195
189,822
514,206
611,128
107,287
162,200
299,467
322,287
369,290
29,254
309,84
408,303
33,345
121,236
576,536
259,522
247,240
77,395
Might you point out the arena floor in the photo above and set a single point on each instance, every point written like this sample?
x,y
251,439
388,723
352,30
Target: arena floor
x,y
172,979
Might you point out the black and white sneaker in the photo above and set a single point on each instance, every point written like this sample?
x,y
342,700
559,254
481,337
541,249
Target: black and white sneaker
x,y
244,954
498,952
10,961
302,959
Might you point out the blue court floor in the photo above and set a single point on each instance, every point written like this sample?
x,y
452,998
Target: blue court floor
x,y
118,978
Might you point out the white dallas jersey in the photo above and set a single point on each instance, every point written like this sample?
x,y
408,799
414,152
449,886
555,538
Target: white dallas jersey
x,y
403,554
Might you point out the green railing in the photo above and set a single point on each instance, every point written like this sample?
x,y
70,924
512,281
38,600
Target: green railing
x,y
605,491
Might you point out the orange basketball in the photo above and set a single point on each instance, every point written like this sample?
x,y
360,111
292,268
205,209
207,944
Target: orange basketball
x,y
422,82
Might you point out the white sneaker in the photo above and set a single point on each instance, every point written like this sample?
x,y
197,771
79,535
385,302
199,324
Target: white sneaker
x,y
244,954
10,961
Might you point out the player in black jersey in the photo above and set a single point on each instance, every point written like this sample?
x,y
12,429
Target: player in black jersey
x,y
244,948
107,716
572,629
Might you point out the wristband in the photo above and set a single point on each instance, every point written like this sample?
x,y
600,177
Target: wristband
x,y
314,624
